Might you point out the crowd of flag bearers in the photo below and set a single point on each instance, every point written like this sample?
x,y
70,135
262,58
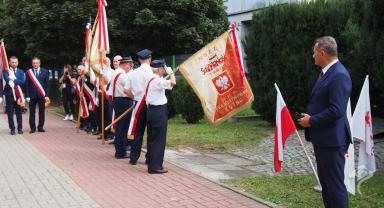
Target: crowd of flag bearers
x,y
135,101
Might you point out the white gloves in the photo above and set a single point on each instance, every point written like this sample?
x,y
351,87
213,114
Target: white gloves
x,y
12,77
1,100
97,101
28,99
11,84
168,70
46,99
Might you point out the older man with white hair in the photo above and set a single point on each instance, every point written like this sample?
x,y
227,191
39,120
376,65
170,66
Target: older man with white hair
x,y
157,114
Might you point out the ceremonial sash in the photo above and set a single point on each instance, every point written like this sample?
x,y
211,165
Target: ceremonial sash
x,y
104,91
83,108
84,113
114,84
113,97
136,112
19,92
36,82
91,96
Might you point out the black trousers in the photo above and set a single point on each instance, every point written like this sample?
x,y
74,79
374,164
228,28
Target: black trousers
x,y
13,108
67,97
121,104
107,115
32,110
157,120
139,134
330,167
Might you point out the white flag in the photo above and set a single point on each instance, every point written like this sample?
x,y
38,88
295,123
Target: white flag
x,y
349,170
362,130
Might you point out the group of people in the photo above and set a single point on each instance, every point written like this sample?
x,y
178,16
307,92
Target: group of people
x,y
137,93
143,90
36,81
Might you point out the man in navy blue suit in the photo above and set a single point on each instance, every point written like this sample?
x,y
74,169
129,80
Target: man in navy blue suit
x,y
15,77
37,92
326,124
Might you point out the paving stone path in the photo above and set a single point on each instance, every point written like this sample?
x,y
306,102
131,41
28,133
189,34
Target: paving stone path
x,y
29,179
62,168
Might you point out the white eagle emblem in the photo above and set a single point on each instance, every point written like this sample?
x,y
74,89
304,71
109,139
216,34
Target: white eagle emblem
x,y
222,82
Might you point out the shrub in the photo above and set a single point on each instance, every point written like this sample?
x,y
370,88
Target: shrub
x,y
186,102
279,49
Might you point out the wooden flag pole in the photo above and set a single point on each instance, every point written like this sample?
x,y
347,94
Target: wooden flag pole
x,y
120,117
309,159
102,101
102,111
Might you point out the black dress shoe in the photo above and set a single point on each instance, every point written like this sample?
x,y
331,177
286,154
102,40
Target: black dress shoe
x,y
112,142
32,131
20,131
161,171
96,132
123,157
13,132
133,162
41,130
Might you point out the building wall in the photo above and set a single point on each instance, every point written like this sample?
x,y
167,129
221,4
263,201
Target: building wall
x,y
240,12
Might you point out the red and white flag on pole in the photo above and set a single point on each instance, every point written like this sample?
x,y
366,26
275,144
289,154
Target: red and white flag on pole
x,y
349,168
283,128
362,130
87,39
237,45
103,27
84,113
3,62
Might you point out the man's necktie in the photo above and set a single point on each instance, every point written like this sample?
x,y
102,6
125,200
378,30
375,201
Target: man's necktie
x,y
320,75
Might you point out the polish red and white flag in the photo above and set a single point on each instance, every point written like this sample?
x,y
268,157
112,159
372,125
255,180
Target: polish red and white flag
x,y
283,128
362,130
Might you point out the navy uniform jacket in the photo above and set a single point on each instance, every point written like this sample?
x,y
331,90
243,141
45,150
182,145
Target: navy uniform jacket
x,y
20,79
327,108
31,90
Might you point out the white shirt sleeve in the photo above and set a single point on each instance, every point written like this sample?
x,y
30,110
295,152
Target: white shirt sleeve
x,y
161,83
128,83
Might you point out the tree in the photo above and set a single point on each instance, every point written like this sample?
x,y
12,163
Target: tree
x,y
54,30
279,49
367,56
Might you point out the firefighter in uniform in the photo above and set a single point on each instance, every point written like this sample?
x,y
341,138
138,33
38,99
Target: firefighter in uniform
x,y
122,100
157,114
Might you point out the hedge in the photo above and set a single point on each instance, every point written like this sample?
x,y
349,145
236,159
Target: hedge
x,y
279,49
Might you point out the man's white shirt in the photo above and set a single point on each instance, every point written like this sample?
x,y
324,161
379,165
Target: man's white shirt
x,y
120,83
156,91
325,69
140,77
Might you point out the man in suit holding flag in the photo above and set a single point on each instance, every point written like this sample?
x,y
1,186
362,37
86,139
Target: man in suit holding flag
x,y
14,77
37,93
326,123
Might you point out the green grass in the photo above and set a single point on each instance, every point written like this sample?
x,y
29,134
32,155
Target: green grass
x,y
297,191
59,110
248,111
225,136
